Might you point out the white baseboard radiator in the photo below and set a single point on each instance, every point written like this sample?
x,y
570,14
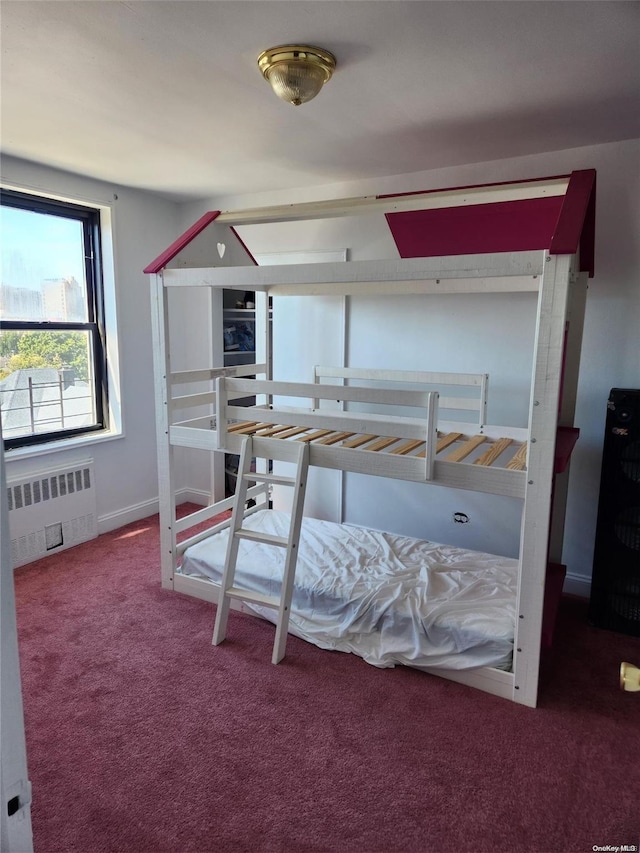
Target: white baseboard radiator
x,y
51,511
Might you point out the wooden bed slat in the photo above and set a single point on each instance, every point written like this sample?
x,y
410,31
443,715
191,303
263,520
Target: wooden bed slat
x,y
443,443
446,440
465,449
266,433
251,430
359,441
335,437
318,433
408,446
491,453
289,433
519,461
382,443
241,426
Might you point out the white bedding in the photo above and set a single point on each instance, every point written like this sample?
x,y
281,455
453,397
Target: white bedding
x,y
389,599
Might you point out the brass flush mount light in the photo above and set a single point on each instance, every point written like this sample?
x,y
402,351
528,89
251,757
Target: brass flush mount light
x,y
296,72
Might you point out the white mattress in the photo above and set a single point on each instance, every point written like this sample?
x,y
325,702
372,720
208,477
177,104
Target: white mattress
x,y
389,599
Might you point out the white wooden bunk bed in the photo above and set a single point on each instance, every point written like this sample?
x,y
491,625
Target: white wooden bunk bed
x,y
533,236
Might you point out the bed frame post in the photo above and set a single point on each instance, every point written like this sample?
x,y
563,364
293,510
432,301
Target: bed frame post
x,y
162,378
221,413
315,403
573,345
484,391
543,421
263,332
432,433
263,356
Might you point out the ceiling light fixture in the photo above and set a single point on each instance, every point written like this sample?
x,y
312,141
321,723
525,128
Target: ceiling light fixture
x,y
296,72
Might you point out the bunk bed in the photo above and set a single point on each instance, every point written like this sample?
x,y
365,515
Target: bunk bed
x,y
533,236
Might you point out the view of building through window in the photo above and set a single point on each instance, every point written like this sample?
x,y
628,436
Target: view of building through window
x,y
50,339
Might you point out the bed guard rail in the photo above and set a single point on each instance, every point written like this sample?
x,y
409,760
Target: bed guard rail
x,y
295,422
205,375
220,513
472,401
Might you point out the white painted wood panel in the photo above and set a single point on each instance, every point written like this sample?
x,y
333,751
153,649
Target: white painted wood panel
x,y
415,201
481,273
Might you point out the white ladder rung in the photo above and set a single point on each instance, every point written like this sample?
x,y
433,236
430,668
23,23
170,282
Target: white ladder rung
x,y
254,597
279,479
266,538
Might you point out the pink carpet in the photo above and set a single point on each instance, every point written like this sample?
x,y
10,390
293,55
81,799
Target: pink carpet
x,y
143,738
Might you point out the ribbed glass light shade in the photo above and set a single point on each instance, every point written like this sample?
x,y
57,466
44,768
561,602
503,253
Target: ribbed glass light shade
x,y
296,72
296,82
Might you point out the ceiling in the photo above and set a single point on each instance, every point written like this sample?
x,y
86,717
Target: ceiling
x,y
167,96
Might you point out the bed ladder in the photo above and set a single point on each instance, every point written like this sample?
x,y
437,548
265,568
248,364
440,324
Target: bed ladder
x,y
286,451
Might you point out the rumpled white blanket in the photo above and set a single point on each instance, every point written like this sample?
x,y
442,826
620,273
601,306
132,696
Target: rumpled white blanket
x,y
389,599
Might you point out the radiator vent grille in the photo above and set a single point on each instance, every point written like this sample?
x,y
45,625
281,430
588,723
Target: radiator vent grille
x,y
48,488
51,511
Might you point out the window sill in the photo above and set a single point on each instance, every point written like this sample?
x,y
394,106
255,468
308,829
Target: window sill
x,y
89,440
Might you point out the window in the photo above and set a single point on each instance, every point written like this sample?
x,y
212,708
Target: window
x,y
52,332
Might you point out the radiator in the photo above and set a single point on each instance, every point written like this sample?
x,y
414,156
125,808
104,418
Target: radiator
x,y
51,511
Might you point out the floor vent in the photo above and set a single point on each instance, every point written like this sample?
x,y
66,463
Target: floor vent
x,y
51,511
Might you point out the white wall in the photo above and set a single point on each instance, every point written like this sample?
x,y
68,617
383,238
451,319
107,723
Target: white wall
x,y
611,356
144,225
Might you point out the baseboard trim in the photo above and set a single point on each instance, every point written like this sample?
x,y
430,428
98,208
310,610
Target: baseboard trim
x,y
577,585
193,496
127,515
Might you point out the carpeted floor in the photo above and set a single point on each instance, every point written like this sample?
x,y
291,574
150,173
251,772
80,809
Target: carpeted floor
x,y
143,738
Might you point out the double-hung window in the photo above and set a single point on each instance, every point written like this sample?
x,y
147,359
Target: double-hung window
x,y
52,333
